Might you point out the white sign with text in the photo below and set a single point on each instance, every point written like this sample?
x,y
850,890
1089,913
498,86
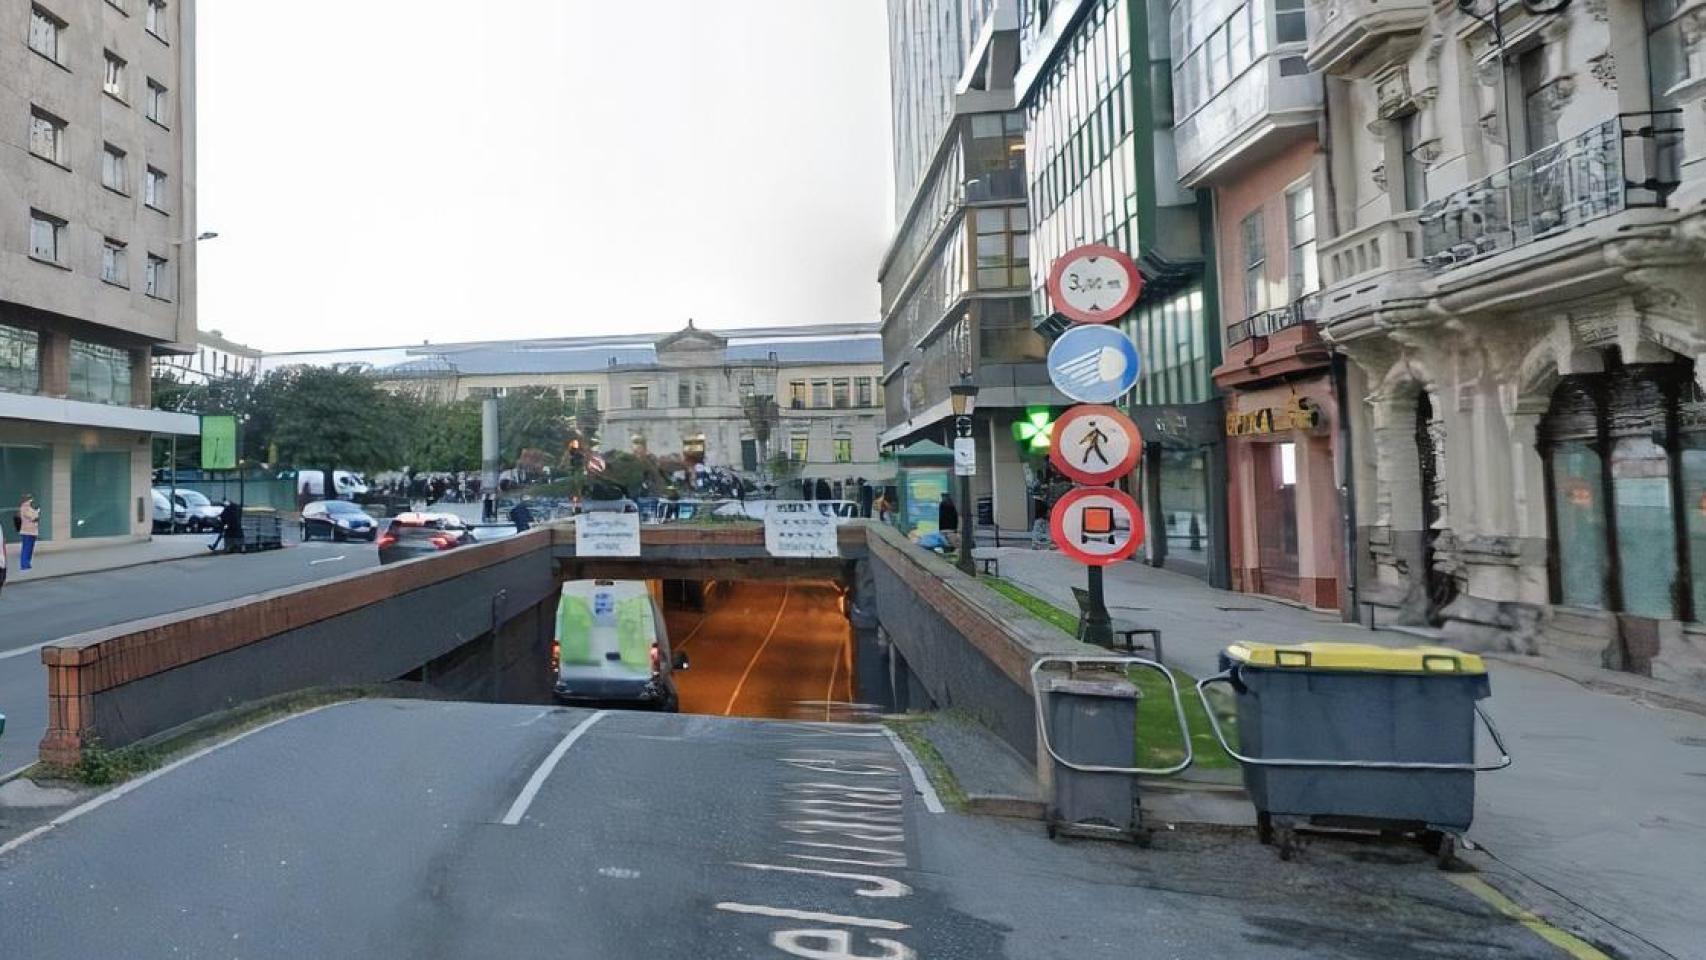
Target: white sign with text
x,y
607,534
799,528
965,457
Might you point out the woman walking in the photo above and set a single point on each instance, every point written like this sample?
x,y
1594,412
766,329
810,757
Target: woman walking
x,y
29,527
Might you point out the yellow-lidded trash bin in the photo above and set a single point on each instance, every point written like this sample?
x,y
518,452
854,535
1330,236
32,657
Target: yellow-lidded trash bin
x,y
1358,735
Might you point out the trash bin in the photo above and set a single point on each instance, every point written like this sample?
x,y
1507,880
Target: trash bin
x,y
1087,722
1357,736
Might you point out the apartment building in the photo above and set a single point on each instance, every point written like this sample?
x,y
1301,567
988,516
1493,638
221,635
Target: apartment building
x,y
97,257
1512,253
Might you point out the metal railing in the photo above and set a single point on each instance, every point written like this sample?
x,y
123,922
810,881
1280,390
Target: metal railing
x,y
1628,161
1269,322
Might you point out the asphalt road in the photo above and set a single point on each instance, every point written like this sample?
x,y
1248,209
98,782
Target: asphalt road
x,y
42,611
433,830
766,650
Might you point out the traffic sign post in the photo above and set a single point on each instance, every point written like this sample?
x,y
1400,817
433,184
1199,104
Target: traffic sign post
x,y
1094,364
1094,284
1096,525
1095,444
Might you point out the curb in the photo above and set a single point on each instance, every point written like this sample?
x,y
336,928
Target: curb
x,y
121,566
1657,692
1013,808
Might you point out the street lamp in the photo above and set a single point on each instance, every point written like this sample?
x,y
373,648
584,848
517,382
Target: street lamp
x,y
963,396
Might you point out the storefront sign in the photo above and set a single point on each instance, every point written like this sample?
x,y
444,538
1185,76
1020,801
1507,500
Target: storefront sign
x,y
798,528
1096,525
1094,283
1095,444
606,533
1300,414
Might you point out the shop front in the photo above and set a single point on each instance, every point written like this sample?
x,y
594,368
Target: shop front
x,y
1181,480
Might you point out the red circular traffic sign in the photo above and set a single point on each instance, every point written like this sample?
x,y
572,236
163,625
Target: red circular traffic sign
x,y
1096,525
1095,444
1094,283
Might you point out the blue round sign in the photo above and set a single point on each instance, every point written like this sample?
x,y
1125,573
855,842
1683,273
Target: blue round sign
x,y
1093,364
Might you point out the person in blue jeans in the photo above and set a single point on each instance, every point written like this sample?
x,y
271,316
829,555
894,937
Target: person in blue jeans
x,y
29,527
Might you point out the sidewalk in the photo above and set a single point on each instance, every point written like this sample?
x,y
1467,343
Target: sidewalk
x,y
1604,806
65,563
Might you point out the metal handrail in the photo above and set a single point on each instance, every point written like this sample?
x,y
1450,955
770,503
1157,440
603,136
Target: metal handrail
x,y
1178,707
1214,724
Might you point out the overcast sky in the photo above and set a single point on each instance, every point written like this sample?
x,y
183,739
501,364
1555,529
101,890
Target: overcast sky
x,y
391,171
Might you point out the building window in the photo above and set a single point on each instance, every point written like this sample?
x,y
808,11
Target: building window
x,y
113,170
114,82
154,189
1255,265
749,454
820,394
1539,127
1300,230
154,279
1289,25
1415,179
798,446
99,373
864,392
797,394
44,33
639,397
589,398
154,107
843,449
100,491
115,263
47,136
747,382
20,360
156,19
841,393
47,236
1003,248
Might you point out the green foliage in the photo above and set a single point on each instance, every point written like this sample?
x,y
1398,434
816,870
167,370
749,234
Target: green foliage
x,y
329,417
99,766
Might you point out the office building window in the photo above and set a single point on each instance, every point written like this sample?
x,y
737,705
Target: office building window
x,y
1289,26
99,373
154,279
797,394
154,189
47,136
1415,179
114,82
156,19
100,491
154,107
44,33
20,360
843,449
820,393
115,263
47,236
113,168
841,392
1255,265
1539,126
1003,248
639,397
1300,229
799,445
864,392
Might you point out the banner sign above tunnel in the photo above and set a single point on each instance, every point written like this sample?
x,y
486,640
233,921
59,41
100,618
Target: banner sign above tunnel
x,y
606,533
799,528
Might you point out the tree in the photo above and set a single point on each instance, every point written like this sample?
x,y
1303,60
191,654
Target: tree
x,y
328,418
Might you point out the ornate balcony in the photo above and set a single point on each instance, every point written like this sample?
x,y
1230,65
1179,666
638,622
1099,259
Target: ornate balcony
x,y
1625,162
1304,309
1354,38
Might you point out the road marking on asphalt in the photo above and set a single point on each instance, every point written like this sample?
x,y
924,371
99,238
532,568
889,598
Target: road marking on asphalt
x,y
130,785
518,809
829,692
920,782
1567,942
786,913
754,661
880,886
693,632
314,563
23,651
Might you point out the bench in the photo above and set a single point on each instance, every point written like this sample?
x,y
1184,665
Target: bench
x,y
988,558
1125,630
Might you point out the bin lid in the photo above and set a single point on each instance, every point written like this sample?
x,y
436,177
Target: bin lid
x,y
1366,657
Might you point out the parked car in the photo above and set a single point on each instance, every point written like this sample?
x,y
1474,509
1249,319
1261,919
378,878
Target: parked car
x,y
198,512
166,518
337,520
672,511
841,510
612,647
347,484
411,535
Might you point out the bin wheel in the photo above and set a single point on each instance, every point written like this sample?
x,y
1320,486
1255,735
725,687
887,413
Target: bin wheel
x,y
1444,848
1265,828
1287,839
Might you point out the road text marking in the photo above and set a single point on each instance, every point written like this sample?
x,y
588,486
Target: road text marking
x,y
932,802
518,809
335,559
871,922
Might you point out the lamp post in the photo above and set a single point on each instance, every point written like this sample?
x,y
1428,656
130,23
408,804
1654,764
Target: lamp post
x,y
963,395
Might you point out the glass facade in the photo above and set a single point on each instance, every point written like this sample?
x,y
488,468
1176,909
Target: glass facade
x,y
100,493
20,360
26,469
99,373
929,41
1169,333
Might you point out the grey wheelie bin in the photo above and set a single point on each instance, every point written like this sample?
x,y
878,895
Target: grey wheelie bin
x,y
1358,736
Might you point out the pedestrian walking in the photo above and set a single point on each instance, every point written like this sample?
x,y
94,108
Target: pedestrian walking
x,y
882,507
947,516
521,517
2,559
29,527
230,529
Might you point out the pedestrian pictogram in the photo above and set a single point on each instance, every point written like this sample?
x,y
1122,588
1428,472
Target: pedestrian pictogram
x,y
1094,284
1095,444
1096,525
1093,364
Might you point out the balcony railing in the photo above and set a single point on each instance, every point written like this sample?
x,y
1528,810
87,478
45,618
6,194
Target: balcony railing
x,y
1381,246
1269,322
1628,161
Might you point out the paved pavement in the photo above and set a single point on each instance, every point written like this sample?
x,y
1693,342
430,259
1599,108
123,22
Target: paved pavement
x,y
414,829
1604,807
78,560
777,650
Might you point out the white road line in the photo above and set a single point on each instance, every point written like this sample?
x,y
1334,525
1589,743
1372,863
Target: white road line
x,y
754,661
692,633
878,886
829,694
341,556
932,802
129,785
813,916
22,651
518,809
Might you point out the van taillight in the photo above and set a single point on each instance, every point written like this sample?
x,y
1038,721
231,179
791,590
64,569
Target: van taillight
x,y
387,541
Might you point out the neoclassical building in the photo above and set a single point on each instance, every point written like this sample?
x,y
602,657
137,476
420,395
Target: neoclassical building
x,y
1514,256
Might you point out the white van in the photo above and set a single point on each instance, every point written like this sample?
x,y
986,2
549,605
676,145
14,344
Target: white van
x,y
612,646
313,483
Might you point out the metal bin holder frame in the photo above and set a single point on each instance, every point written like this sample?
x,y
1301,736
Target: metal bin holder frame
x,y
1107,791
262,530
1364,780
